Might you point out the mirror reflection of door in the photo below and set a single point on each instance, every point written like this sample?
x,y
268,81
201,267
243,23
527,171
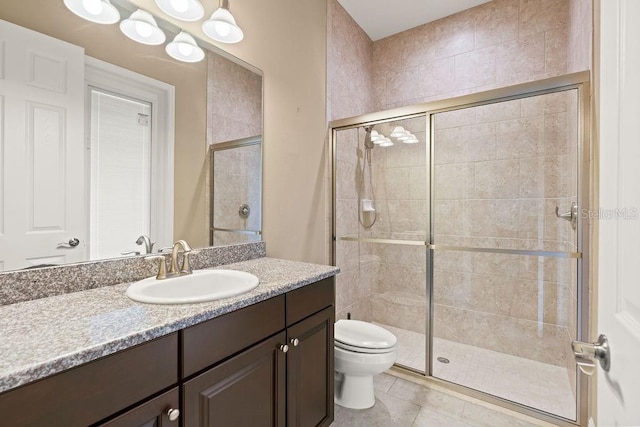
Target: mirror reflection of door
x,y
120,190
41,150
130,161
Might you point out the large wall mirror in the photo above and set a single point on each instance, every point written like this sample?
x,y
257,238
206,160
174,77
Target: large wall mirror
x,y
105,143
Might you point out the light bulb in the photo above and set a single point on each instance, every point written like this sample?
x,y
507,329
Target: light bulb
x,y
180,5
223,28
185,49
94,7
143,29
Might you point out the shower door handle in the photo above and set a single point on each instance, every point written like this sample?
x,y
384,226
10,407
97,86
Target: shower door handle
x,y
571,216
587,353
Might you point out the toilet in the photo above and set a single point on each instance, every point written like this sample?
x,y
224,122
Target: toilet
x,y
362,350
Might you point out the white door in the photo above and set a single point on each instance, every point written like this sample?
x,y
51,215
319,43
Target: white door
x,y
120,195
618,294
41,149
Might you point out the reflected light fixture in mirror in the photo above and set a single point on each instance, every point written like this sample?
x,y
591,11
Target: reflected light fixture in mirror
x,y
185,10
184,48
98,11
222,26
398,131
142,27
385,143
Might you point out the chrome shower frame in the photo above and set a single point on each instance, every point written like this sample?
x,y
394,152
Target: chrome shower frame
x,y
585,173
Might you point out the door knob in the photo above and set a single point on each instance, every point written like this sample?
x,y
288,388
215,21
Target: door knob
x,y
284,348
295,342
587,353
72,243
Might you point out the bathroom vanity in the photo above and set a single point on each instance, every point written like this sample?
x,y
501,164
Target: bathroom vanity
x,y
263,358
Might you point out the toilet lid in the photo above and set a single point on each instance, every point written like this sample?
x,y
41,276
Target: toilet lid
x,y
360,336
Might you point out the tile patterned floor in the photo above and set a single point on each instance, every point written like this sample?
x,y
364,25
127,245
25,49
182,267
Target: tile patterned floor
x,y
539,385
403,403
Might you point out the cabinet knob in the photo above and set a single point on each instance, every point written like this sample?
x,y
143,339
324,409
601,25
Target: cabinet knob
x,y
173,414
284,348
295,342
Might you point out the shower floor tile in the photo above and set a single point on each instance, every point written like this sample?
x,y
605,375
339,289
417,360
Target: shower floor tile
x,y
538,385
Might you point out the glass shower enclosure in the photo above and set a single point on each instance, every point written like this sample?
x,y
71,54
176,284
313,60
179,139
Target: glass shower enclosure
x,y
466,241
236,192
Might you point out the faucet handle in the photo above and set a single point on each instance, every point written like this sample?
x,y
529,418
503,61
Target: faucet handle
x,y
186,266
135,253
162,268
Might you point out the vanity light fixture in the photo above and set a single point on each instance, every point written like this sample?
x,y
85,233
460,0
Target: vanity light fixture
x,y
222,26
185,10
142,27
184,48
98,11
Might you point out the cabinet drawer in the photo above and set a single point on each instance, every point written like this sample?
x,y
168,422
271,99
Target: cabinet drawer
x,y
310,299
212,341
152,413
92,392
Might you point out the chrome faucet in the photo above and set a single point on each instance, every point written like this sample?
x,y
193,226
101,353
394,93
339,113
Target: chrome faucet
x,y
146,241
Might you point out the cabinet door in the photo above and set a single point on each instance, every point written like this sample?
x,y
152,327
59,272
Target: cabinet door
x,y
161,411
310,371
246,390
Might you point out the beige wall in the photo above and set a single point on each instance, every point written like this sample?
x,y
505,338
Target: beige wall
x,y
107,43
286,39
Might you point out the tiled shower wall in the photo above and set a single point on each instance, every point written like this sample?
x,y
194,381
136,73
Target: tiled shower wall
x,y
349,66
234,101
500,43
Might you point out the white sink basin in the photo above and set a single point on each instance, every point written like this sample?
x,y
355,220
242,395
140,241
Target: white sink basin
x,y
200,286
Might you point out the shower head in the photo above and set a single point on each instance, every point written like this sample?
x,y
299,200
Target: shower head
x,y
368,144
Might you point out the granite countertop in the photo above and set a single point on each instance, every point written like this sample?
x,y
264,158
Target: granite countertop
x,y
45,336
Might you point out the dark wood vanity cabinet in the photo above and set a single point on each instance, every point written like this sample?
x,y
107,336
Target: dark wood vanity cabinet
x,y
94,391
284,380
268,364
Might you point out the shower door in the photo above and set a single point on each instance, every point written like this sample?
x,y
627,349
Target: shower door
x,y
381,226
505,249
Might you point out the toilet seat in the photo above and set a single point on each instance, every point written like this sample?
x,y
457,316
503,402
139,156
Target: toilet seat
x,y
363,337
